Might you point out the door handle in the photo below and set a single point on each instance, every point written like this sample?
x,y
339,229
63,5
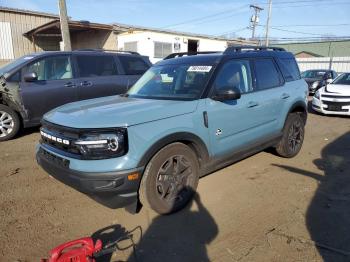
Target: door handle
x,y
252,104
70,84
285,96
86,83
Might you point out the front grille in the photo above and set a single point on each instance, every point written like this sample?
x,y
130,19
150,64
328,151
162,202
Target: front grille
x,y
335,103
335,106
53,158
61,135
337,97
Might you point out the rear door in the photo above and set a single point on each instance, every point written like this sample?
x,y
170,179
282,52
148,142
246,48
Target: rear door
x,y
270,96
55,85
99,75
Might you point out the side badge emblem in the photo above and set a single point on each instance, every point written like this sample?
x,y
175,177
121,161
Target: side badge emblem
x,y
218,132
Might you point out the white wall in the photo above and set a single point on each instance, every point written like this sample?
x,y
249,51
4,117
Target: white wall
x,y
146,41
339,64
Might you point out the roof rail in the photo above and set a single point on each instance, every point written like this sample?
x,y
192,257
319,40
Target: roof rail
x,y
107,50
240,48
173,55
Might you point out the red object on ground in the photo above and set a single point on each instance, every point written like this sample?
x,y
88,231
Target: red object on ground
x,y
80,250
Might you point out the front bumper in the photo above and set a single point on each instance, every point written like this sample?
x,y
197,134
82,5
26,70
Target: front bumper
x,y
111,189
321,106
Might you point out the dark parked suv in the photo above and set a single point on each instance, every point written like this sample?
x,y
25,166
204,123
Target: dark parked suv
x,y
34,84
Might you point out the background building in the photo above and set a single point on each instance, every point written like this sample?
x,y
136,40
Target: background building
x,y
319,49
13,24
23,32
157,43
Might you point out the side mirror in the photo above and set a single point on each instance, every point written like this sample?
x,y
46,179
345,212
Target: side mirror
x,y
329,80
229,93
30,77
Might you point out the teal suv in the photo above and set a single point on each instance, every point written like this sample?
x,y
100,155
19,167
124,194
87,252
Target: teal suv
x,y
187,116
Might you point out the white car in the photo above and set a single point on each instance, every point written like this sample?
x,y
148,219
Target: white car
x,y
334,98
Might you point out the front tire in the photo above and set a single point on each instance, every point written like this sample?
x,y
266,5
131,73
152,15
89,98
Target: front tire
x,y
9,123
293,136
170,179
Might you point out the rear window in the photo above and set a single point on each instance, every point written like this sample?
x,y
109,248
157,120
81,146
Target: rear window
x,y
133,65
290,69
92,66
267,74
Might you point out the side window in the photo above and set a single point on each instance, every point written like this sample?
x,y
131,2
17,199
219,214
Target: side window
x,y
16,77
235,73
52,68
133,65
267,74
92,66
290,69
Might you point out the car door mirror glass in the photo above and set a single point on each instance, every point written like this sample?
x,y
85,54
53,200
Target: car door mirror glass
x,y
30,77
227,93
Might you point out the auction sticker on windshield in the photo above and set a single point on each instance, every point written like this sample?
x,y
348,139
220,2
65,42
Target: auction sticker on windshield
x,y
199,68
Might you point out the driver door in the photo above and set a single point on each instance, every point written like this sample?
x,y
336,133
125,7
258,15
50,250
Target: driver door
x,y
233,124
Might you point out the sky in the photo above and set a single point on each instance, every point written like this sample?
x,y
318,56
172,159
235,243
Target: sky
x,y
289,19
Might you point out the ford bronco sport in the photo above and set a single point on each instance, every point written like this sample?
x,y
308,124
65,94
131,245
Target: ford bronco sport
x,y
187,116
34,84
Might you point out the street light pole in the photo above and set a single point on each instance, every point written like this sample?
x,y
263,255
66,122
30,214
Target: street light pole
x,y
268,23
64,25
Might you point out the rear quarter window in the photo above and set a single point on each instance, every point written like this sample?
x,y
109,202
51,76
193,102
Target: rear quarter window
x,y
133,65
290,69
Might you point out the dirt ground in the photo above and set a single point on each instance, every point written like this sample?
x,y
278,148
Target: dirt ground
x,y
264,208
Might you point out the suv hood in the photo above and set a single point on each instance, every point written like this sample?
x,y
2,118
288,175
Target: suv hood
x,y
340,89
116,111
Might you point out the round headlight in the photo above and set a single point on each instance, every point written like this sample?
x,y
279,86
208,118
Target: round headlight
x,y
113,144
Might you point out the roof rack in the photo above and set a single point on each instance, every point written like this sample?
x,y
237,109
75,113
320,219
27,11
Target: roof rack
x,y
173,55
240,48
107,50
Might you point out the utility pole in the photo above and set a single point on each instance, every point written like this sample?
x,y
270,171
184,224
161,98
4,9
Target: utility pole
x,y
255,18
64,25
268,23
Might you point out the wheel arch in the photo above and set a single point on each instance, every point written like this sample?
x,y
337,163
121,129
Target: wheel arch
x,y
189,139
299,108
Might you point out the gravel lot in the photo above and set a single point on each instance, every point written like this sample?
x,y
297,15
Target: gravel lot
x,y
264,208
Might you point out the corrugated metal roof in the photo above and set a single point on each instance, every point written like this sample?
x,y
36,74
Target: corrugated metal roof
x,y
24,11
73,25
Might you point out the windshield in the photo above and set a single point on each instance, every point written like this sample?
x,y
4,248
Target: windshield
x,y
13,64
343,79
313,74
178,82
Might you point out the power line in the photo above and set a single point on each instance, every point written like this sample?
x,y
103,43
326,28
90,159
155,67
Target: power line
x,y
206,17
324,25
234,31
292,31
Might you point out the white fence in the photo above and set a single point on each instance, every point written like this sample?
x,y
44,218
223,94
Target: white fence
x,y
338,64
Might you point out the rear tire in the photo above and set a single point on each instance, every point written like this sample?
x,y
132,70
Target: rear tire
x,y
170,179
9,123
293,136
